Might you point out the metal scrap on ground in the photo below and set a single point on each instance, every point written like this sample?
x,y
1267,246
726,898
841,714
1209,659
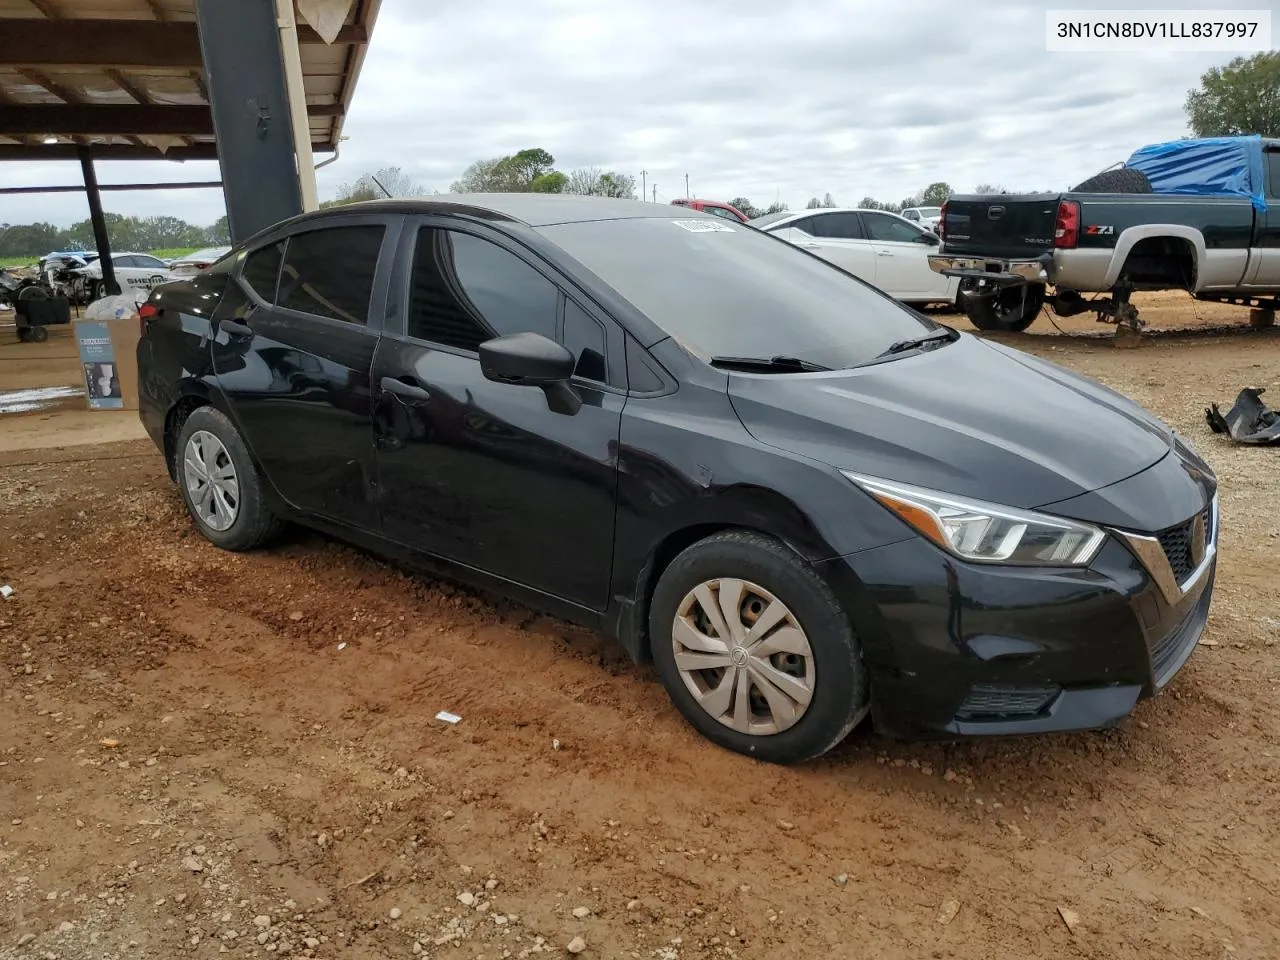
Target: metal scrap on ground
x,y
1248,421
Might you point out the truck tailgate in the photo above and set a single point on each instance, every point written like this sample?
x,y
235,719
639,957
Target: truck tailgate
x,y
1018,226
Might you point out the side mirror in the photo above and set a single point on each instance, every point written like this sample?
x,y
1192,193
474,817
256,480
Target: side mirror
x,y
525,358
530,359
932,239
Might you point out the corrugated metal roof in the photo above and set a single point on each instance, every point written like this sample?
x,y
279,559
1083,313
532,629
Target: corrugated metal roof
x,y
126,76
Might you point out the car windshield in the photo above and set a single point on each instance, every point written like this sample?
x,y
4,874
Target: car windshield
x,y
768,218
722,290
930,211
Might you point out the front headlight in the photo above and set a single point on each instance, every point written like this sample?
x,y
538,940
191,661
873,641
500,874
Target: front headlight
x,y
987,532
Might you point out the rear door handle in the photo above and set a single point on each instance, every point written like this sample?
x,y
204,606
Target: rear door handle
x,y
884,253
400,388
810,246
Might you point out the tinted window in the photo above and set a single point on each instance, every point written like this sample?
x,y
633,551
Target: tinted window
x,y
262,271
1273,172
911,214
467,290
122,261
836,226
150,263
721,212
889,229
734,291
329,272
585,339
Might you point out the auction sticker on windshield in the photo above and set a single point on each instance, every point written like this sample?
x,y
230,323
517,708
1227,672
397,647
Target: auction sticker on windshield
x,y
704,226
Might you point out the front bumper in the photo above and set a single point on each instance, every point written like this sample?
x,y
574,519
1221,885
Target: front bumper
x,y
959,649
993,269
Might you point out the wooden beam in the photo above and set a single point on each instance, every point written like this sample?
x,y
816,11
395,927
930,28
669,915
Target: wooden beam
x,y
47,8
117,119
122,44
39,152
58,90
128,86
157,11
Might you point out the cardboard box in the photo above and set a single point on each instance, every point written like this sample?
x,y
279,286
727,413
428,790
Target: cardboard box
x,y
109,356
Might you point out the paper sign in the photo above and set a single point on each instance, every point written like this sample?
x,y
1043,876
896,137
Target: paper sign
x,y
98,358
703,226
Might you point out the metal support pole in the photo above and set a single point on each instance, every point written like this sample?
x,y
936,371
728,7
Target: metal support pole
x,y
248,93
99,220
297,104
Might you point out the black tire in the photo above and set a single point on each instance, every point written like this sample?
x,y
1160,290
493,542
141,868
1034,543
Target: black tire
x,y
840,697
1123,180
33,292
254,524
99,290
1012,308
39,334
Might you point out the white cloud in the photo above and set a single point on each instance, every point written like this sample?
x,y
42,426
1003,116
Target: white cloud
x,y
751,98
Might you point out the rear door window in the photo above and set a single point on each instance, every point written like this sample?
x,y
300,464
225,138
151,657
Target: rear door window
x,y
329,272
887,229
836,226
262,270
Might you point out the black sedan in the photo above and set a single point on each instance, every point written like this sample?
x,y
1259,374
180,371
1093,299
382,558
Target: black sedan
x,y
801,500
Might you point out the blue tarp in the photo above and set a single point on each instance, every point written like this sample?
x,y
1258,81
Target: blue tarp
x,y
1209,167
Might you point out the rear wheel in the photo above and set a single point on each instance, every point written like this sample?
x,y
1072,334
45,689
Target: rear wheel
x,y
1011,308
755,650
220,484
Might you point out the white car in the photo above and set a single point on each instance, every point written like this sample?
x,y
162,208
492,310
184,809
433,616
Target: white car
x,y
134,271
884,249
927,217
193,263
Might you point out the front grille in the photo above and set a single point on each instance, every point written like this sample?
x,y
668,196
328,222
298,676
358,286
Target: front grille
x,y
1170,652
1176,543
991,701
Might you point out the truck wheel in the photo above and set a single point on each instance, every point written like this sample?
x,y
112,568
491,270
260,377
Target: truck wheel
x,y
1012,308
1124,180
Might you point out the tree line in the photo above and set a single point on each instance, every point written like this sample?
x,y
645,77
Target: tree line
x,y
126,233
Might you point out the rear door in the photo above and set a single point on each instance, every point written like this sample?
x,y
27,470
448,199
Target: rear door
x,y
837,237
1264,273
293,351
902,260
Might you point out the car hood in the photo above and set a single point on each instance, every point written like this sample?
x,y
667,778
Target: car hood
x,y
969,418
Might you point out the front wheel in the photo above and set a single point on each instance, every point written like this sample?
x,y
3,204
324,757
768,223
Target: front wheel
x,y
220,483
1011,308
755,650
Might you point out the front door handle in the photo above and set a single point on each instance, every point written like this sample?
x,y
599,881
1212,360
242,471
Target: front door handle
x,y
884,253
401,388
235,328
810,246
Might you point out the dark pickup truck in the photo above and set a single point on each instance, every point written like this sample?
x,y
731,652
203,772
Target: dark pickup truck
x,y
1196,215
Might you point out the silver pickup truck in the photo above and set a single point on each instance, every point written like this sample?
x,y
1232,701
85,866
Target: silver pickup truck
x,y
1167,220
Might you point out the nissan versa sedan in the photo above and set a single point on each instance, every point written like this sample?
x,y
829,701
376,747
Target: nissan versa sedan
x,y
802,501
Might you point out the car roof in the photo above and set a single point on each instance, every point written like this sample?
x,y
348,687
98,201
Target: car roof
x,y
531,209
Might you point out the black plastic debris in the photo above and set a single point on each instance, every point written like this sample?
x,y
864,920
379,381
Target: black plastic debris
x,y
1248,421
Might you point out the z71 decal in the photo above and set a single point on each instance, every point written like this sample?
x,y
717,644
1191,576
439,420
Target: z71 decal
x,y
1100,230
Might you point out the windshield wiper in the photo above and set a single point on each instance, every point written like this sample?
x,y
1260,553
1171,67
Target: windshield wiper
x,y
945,335
769,364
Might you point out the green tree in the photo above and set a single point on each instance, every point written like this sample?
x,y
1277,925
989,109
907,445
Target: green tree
x,y
1241,98
813,204
747,207
27,239
935,194
529,170
219,233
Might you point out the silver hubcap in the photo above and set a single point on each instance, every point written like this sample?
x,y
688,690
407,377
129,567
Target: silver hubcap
x,y
743,656
211,481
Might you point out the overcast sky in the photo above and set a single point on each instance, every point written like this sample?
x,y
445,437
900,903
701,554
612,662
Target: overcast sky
x,y
754,98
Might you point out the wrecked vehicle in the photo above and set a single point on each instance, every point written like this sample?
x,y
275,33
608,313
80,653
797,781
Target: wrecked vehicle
x,y
1197,215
